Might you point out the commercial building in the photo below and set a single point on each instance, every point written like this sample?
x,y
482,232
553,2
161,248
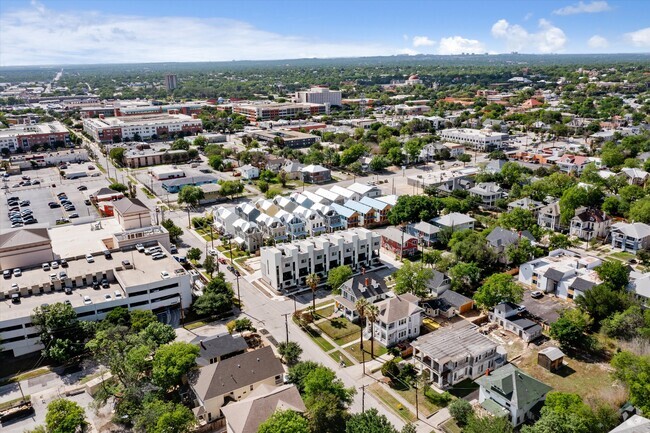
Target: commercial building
x,y
166,172
26,137
175,185
483,140
116,129
147,157
171,82
263,111
319,95
287,266
287,137
454,354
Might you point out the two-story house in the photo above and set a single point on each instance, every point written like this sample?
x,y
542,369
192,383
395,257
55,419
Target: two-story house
x,y
590,223
488,192
548,217
526,203
509,317
295,225
224,220
367,216
425,232
500,239
399,319
314,220
381,209
454,354
330,216
630,236
368,286
508,391
247,235
272,228
231,380
399,242
454,221
349,218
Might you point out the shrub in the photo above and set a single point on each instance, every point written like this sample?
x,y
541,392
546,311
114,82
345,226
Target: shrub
x,y
461,410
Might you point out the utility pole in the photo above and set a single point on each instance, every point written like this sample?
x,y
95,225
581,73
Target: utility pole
x,y
417,409
238,295
286,325
189,222
363,398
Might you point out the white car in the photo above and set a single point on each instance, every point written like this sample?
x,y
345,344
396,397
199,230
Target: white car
x,y
55,265
17,272
165,275
46,266
89,258
213,252
118,294
87,300
140,248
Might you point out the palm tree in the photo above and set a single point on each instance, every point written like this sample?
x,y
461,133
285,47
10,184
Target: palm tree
x,y
372,312
312,281
361,306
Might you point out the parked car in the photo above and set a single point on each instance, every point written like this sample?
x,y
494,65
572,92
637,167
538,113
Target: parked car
x,y
105,283
536,294
107,297
64,263
157,256
54,265
140,248
6,273
45,266
73,215
87,300
82,188
25,203
87,202
89,258
118,294
53,205
165,275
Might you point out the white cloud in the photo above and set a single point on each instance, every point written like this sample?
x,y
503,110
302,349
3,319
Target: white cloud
x,y
640,38
528,16
597,41
37,35
548,39
423,41
459,45
584,8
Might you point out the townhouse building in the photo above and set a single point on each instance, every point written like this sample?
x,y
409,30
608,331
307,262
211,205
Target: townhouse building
x,y
287,266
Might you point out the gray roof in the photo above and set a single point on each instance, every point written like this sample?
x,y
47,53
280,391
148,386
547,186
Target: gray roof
x,y
425,227
455,298
524,323
554,274
190,180
454,342
399,307
552,353
436,280
23,237
582,284
514,385
506,307
356,285
636,424
452,219
396,235
129,205
502,237
221,345
234,373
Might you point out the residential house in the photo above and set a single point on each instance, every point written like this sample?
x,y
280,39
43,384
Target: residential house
x,y
331,196
511,392
332,219
267,206
454,221
509,317
432,152
348,217
364,190
367,217
635,424
272,228
526,203
566,273
315,197
635,176
287,204
220,347
274,163
495,166
293,170
314,220
348,194
488,192
639,286
630,236
248,172
296,226
399,319
231,380
368,286
590,223
302,200
247,235
455,150
224,220
572,163
550,358
316,174
247,212
448,304
246,416
399,242
426,233
459,352
438,283
390,199
381,209
500,239
549,216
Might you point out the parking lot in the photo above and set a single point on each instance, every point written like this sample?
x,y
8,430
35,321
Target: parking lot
x,y
145,178
40,195
547,308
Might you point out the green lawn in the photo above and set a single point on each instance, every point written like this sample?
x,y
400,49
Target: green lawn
x,y
318,339
236,253
7,404
427,408
325,312
338,356
450,426
391,402
354,351
338,328
622,255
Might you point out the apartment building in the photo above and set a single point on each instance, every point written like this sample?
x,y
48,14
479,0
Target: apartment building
x,y
288,137
454,354
287,266
484,140
566,273
319,95
264,111
27,136
115,129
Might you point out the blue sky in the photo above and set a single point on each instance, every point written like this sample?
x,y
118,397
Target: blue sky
x,y
120,31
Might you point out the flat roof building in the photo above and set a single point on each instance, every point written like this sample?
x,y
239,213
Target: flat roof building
x,y
25,137
116,129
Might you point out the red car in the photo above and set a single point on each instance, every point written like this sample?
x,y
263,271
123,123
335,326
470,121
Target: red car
x,y
222,260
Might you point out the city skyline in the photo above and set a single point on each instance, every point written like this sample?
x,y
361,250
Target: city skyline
x,y
73,32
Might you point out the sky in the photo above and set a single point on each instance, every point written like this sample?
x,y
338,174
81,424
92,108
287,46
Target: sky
x,y
52,32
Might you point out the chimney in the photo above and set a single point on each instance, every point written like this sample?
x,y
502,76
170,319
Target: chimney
x,y
203,346
194,116
487,372
101,116
367,282
363,271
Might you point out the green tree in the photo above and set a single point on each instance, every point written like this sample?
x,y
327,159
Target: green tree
x,y
461,411
174,231
575,197
230,188
194,254
614,273
464,158
640,211
559,241
370,421
119,187
285,421
117,155
412,277
60,331
180,144
326,399
571,327
312,281
190,195
522,252
172,361
498,288
602,301
414,209
263,186
338,276
156,334
628,324
488,424
519,219
298,373
212,304
158,416
65,416
464,277
290,352
209,265
471,247
283,178
634,372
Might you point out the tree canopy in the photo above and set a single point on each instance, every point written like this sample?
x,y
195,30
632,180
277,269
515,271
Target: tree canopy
x,y
412,277
498,288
